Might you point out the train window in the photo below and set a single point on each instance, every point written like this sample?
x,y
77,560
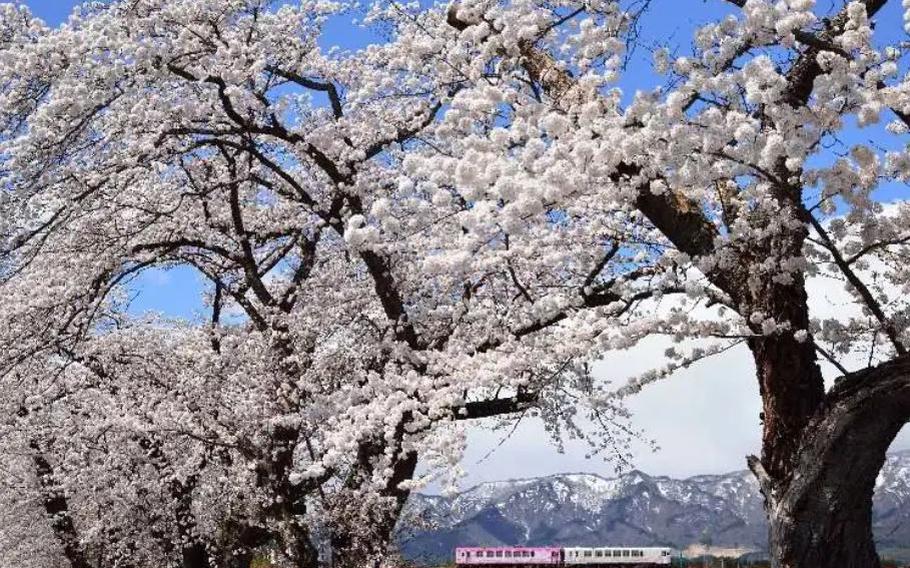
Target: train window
x,y
489,554
599,553
498,554
554,554
508,554
625,553
533,553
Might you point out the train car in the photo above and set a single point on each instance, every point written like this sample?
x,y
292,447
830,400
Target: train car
x,y
617,556
504,556
575,557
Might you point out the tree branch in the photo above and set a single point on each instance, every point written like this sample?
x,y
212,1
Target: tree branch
x,y
326,87
868,298
496,406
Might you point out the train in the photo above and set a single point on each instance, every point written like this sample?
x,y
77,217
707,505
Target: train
x,y
578,557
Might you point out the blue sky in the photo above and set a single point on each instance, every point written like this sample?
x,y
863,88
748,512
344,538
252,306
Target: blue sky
x,y
51,11
705,419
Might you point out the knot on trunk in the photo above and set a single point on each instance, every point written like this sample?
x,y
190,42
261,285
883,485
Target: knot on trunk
x,y
454,19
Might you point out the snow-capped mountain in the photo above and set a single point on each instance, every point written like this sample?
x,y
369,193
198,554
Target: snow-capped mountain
x,y
632,509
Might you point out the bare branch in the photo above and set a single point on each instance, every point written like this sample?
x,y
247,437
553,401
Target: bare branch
x,y
868,298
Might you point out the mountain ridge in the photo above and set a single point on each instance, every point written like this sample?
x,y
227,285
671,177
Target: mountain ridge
x,y
633,508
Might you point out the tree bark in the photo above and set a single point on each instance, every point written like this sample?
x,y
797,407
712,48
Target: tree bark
x,y
820,508
56,506
193,551
240,541
364,544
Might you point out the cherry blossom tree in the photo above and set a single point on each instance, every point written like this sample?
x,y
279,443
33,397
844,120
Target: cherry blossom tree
x,y
358,308
742,175
443,226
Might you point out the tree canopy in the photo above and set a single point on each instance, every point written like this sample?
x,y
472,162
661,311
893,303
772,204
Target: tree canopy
x,y
445,226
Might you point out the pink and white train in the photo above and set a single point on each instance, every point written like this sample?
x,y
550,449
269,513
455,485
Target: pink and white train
x,y
518,556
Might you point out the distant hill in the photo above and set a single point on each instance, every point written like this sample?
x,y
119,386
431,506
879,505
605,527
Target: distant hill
x,y
632,509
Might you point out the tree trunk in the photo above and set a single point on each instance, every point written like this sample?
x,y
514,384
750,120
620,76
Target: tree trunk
x,y
195,556
240,541
820,508
365,543
814,538
828,525
57,509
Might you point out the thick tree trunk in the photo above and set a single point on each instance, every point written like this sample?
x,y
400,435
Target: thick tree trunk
x,y
829,523
812,537
57,509
240,541
820,507
364,544
193,551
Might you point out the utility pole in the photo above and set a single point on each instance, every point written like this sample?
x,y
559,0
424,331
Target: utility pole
x,y
706,541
